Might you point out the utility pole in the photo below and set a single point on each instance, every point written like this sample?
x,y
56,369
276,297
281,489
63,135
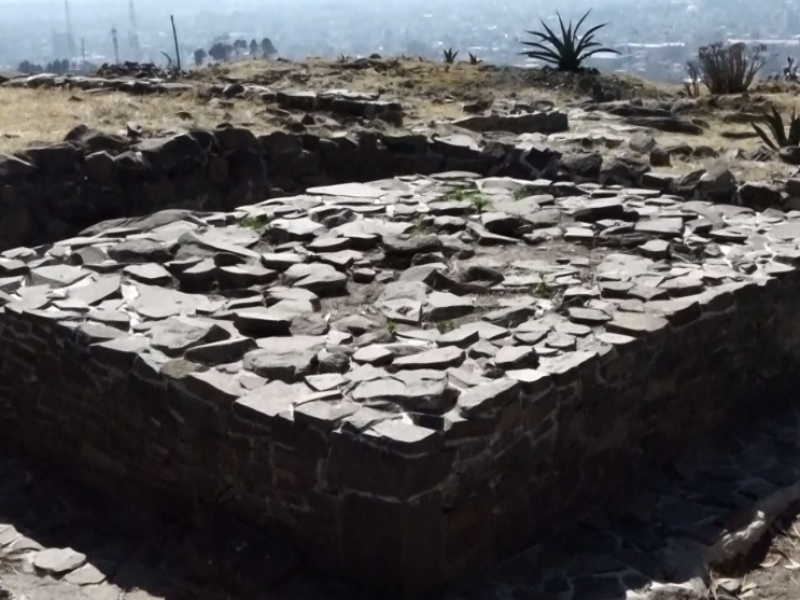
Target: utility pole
x,y
116,44
175,37
133,35
70,37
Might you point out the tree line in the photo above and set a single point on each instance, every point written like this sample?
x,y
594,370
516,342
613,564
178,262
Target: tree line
x,y
225,51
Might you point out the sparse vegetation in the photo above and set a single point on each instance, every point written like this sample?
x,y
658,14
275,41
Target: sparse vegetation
x,y
568,51
459,194
728,68
520,193
468,194
479,202
391,327
253,221
543,289
692,87
474,60
423,225
450,56
445,327
779,139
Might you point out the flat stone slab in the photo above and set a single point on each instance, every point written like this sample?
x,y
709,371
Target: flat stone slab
x,y
58,561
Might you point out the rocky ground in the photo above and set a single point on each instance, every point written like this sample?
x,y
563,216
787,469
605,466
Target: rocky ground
x,y
393,294
406,94
400,291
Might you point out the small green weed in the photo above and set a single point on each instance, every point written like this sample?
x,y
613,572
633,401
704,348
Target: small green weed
x,y
445,326
543,289
458,194
253,221
520,193
391,328
468,194
479,202
422,226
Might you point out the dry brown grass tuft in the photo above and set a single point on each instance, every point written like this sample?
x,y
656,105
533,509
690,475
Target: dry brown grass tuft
x,y
30,116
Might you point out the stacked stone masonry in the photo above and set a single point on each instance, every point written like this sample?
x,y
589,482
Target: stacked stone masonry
x,y
52,191
407,379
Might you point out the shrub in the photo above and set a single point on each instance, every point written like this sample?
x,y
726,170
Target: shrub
x,y
568,51
692,87
729,68
779,139
450,56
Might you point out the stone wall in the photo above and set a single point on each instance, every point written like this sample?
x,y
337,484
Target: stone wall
x,y
54,191
402,504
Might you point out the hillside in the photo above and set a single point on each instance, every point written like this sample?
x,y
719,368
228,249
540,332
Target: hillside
x,y
424,97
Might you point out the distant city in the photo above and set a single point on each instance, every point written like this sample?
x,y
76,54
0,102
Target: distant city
x,y
654,40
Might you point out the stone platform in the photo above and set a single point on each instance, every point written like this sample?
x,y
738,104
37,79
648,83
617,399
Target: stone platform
x,y
407,379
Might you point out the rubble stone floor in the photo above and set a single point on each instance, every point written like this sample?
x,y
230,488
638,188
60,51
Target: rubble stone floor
x,y
494,273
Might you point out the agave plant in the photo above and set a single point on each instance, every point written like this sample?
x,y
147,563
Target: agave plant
x,y
450,56
775,123
473,59
568,51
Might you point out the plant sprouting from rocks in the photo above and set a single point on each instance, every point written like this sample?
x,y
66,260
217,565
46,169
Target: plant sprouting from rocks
x,y
468,194
520,193
253,221
479,202
450,56
779,138
459,195
543,289
445,327
566,51
422,226
730,68
391,328
473,59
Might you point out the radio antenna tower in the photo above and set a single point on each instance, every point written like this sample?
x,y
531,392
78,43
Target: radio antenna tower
x,y
133,36
70,38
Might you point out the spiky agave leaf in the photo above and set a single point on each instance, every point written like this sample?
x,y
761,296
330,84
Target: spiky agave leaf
x,y
776,124
794,130
764,137
587,41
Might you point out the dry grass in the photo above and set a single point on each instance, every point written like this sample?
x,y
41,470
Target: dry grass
x,y
31,116
430,92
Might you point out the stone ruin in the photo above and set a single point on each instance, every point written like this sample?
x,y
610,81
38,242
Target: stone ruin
x,y
407,379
